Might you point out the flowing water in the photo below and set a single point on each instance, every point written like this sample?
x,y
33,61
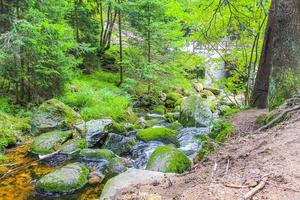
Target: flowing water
x,y
19,185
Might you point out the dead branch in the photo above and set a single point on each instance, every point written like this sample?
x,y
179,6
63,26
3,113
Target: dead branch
x,y
256,189
279,117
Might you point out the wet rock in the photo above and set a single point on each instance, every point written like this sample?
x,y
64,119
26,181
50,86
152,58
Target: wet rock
x,y
96,131
54,115
141,152
73,146
97,154
64,180
130,177
116,166
158,110
175,126
195,111
50,142
215,91
95,177
161,134
119,144
169,160
198,87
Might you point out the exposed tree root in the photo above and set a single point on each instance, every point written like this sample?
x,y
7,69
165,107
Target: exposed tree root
x,y
279,118
260,186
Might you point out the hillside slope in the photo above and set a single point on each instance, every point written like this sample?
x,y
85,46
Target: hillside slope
x,y
238,167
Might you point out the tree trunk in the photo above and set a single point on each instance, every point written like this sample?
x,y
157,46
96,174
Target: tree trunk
x,y
281,51
121,47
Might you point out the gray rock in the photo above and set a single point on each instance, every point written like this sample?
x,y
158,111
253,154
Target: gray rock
x,y
50,142
73,146
96,131
54,115
64,180
128,178
119,144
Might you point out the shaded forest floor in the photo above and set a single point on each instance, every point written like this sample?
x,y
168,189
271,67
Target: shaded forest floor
x,y
238,167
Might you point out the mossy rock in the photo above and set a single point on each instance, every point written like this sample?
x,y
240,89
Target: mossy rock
x,y
119,144
162,134
116,166
73,146
49,142
215,91
196,111
168,159
118,128
54,115
160,110
206,94
175,126
97,154
152,122
172,98
172,117
67,179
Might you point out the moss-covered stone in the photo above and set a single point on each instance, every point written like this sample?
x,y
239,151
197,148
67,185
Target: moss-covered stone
x,y
206,94
215,91
160,110
64,180
152,122
73,146
195,111
115,166
118,128
97,154
175,126
49,142
54,115
172,117
172,98
168,159
162,134
119,144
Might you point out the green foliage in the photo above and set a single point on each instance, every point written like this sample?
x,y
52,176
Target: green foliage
x,y
168,159
96,96
162,134
210,143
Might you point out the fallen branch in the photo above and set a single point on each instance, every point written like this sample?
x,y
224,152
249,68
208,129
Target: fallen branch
x,y
257,188
11,171
279,118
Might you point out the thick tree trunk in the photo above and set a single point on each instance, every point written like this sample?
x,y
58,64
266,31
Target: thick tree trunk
x,y
281,50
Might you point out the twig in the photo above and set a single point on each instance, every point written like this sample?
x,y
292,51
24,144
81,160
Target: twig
x,y
227,167
260,186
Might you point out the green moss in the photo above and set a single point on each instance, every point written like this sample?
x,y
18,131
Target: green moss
x,y
65,180
172,117
73,146
213,106
152,122
118,128
175,126
162,134
168,159
206,94
172,98
49,142
221,130
97,154
160,110
208,146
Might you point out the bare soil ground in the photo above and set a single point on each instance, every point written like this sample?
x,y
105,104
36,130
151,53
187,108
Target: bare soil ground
x,y
238,167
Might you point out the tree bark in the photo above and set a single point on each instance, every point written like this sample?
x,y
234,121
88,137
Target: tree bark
x,y
281,50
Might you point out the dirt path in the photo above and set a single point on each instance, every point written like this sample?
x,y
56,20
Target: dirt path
x,y
244,162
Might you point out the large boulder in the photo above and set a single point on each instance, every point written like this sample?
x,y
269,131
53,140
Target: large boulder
x,y
162,134
119,144
195,111
50,142
54,115
97,154
128,178
97,131
64,180
169,160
